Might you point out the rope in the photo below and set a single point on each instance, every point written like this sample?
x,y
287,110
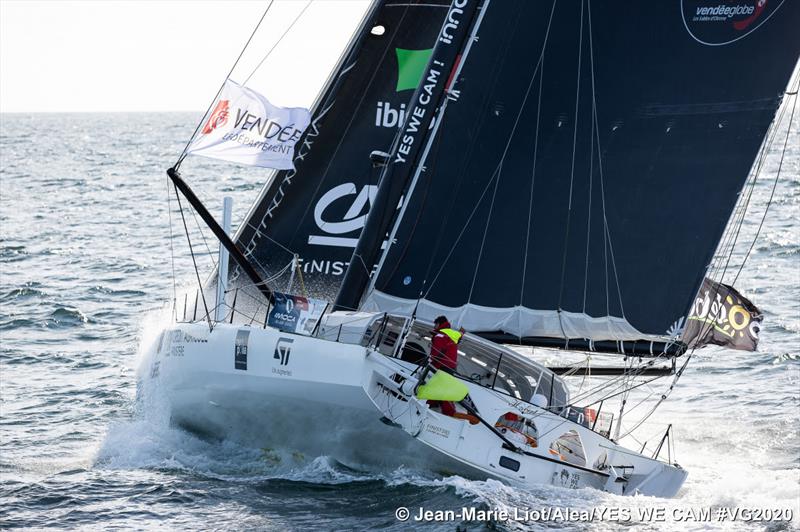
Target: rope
x,y
772,193
591,180
481,117
277,42
205,240
572,169
210,105
533,182
172,252
498,168
724,269
191,251
732,237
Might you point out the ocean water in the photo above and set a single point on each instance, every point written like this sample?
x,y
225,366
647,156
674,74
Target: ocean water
x,y
85,264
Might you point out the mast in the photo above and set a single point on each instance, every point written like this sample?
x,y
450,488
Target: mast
x,y
405,150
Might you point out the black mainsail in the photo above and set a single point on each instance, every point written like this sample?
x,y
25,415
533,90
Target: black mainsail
x,y
575,192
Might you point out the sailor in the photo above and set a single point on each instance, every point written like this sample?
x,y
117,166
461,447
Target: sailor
x,y
444,355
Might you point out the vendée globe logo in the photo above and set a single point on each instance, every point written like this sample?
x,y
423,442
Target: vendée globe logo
x,y
722,12
721,22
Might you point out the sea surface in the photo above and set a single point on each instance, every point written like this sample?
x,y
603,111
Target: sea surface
x,y
86,264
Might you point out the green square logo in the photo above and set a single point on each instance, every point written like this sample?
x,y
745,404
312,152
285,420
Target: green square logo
x,y
411,67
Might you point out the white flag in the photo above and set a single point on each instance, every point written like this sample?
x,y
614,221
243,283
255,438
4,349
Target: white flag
x,y
245,128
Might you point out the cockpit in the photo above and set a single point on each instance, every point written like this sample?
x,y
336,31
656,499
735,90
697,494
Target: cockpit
x,y
481,361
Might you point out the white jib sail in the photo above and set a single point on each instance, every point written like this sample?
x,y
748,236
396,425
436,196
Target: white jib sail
x,y
245,128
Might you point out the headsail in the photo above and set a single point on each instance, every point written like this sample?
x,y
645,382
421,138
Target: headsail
x,y
580,184
318,210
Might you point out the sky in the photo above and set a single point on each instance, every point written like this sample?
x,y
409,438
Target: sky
x,y
148,55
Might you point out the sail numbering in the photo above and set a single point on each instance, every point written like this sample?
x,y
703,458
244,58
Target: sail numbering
x,y
477,176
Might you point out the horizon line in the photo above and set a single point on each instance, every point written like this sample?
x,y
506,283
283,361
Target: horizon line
x,y
100,111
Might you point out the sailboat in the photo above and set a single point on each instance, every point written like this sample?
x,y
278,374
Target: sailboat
x,y
547,175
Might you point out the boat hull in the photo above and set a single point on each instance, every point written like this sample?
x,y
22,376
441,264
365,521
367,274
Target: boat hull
x,y
310,401
275,390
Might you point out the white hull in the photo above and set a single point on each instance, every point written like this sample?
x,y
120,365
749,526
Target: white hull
x,y
327,398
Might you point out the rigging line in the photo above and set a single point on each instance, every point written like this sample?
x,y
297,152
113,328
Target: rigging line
x,y
572,165
706,327
503,157
496,173
730,238
260,234
588,370
533,182
205,241
191,251
772,193
249,255
607,397
663,396
765,147
258,297
646,416
591,182
644,400
607,231
481,118
172,250
488,223
733,236
608,386
621,382
743,205
277,42
572,169
463,230
614,269
182,156
612,383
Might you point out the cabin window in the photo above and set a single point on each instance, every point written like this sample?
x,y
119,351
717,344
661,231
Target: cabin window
x,y
518,429
569,448
509,463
